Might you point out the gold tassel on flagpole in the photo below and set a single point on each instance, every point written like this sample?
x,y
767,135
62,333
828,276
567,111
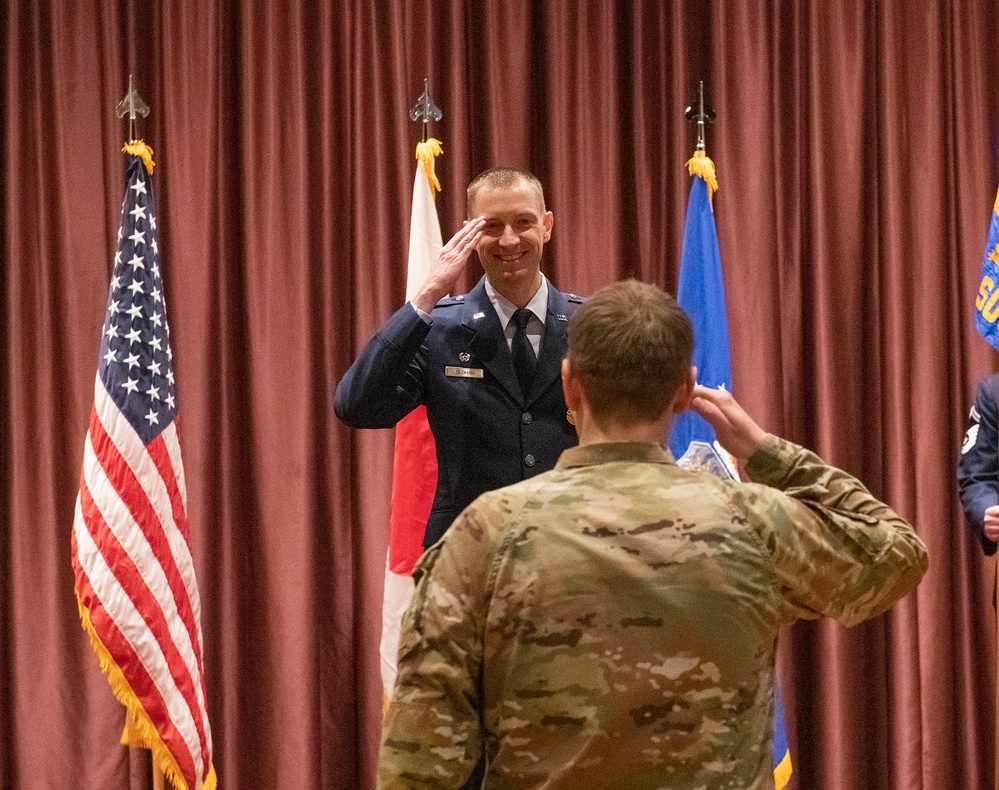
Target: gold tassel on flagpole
x,y
700,164
425,154
139,148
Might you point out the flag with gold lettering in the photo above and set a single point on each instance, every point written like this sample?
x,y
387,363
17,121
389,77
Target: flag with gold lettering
x,y
986,315
987,303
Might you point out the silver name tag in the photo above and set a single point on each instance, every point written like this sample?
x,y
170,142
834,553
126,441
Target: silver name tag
x,y
465,373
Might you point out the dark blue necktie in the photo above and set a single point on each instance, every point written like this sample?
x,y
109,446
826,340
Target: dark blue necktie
x,y
523,352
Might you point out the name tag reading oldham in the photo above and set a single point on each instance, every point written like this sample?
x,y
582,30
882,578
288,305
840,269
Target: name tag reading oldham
x,y
463,373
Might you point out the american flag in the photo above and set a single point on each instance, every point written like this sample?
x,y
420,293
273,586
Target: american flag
x,y
135,581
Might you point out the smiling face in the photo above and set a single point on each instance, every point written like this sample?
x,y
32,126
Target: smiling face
x,y
517,227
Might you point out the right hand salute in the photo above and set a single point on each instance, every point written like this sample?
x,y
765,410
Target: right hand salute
x,y
991,523
736,430
449,264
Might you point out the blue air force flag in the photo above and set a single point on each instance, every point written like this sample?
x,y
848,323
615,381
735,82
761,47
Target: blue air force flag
x,y
701,293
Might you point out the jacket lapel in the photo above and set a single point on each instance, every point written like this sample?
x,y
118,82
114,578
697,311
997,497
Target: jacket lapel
x,y
487,342
549,365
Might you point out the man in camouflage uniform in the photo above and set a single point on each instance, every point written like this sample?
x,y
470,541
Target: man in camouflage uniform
x,y
612,623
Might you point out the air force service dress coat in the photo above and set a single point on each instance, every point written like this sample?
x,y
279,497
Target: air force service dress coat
x,y
978,465
488,433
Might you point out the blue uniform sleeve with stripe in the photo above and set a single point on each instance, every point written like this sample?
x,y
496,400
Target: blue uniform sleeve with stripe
x,y
978,465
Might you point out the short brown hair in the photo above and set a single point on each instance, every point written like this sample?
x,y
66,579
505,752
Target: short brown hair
x,y
500,178
630,346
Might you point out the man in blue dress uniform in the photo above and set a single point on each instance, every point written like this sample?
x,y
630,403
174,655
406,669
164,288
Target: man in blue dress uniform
x,y
492,389
486,364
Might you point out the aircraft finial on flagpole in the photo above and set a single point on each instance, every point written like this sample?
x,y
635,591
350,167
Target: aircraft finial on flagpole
x,y
429,148
425,109
700,163
133,105
700,110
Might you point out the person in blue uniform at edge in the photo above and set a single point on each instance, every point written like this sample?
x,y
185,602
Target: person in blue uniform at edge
x,y
488,373
978,466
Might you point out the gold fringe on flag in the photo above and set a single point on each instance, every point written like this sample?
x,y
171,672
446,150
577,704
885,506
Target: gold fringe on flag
x,y
425,153
782,772
139,148
700,164
139,730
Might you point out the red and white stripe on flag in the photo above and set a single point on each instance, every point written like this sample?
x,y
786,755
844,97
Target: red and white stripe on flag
x,y
414,468
135,580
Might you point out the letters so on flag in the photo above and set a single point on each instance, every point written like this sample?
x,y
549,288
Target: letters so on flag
x,y
987,301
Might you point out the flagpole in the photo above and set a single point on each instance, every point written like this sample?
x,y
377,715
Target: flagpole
x,y
132,105
700,291
700,111
425,109
414,462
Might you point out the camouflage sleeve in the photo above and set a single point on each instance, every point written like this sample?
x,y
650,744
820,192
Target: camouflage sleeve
x,y
431,735
838,551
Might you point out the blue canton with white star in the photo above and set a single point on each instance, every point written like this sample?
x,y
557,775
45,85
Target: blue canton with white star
x,y
135,363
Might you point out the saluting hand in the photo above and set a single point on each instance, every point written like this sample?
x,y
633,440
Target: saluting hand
x,y
991,523
449,264
736,430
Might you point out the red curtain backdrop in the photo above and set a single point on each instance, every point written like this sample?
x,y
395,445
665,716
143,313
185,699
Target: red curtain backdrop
x,y
855,145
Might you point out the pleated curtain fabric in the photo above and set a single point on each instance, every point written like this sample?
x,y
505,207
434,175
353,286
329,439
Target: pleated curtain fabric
x,y
852,261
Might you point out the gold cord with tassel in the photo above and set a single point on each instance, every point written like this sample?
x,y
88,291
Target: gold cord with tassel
x,y
700,164
139,148
425,153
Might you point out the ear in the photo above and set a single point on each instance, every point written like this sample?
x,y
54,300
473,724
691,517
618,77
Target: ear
x,y
681,401
570,387
548,220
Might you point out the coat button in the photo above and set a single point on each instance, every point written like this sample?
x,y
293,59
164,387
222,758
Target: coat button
x,y
529,460
527,418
